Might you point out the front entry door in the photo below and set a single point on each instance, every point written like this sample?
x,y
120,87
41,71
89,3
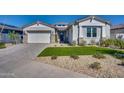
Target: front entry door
x,y
62,37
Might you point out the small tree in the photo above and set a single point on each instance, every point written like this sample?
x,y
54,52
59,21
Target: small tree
x,y
13,36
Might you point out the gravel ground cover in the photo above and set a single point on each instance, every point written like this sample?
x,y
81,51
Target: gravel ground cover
x,y
110,67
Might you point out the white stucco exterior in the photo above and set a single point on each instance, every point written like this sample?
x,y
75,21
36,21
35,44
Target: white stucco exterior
x,y
38,33
105,27
70,35
77,31
103,30
39,27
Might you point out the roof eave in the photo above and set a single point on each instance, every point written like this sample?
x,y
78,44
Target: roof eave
x,y
94,17
38,23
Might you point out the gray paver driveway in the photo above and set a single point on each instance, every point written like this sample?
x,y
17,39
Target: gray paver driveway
x,y
18,61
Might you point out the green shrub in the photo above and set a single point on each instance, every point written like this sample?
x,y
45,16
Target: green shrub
x,y
95,65
74,57
98,55
53,57
113,42
107,42
2,45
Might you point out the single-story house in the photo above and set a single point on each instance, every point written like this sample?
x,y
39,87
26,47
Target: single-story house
x,y
5,29
91,28
117,31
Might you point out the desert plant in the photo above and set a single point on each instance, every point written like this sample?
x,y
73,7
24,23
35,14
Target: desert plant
x,y
98,55
53,57
95,65
113,42
121,44
74,57
107,42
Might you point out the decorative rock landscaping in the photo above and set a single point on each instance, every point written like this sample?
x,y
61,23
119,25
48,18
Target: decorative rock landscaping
x,y
109,65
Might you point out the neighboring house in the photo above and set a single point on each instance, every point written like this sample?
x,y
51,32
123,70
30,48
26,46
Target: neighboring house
x,y
91,28
5,29
117,31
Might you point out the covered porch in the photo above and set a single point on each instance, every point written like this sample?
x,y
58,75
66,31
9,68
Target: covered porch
x,y
62,36
62,32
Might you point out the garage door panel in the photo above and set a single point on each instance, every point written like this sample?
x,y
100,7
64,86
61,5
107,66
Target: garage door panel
x,y
39,37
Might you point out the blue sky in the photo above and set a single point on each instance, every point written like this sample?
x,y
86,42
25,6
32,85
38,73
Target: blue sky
x,y
20,20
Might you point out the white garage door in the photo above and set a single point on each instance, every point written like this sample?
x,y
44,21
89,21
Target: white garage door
x,y
40,37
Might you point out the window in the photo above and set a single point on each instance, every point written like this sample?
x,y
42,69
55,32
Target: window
x,y
89,32
94,32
